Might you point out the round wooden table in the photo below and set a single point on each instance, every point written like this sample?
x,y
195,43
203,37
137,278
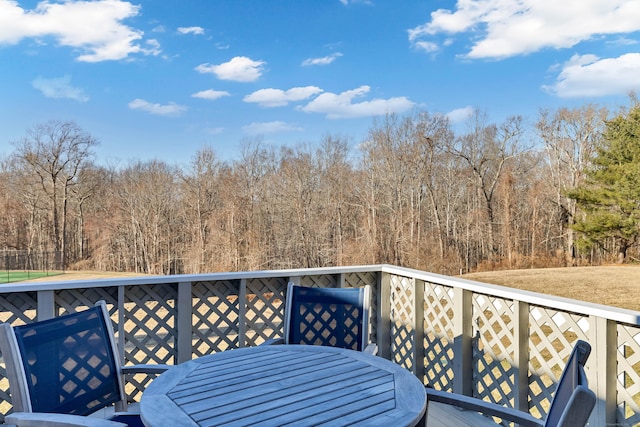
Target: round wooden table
x,y
276,385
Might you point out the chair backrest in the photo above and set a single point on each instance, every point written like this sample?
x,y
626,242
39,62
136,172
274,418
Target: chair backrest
x,y
65,365
573,401
336,317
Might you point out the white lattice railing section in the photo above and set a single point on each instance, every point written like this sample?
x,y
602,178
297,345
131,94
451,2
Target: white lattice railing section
x,y
402,313
438,336
495,343
215,316
628,374
494,334
552,336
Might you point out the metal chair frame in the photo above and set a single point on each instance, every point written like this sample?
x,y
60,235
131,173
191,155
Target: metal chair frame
x,y
50,386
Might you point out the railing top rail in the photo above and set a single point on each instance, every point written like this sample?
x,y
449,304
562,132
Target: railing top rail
x,y
179,278
534,298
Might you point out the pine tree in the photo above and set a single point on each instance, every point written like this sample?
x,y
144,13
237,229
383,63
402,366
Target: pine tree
x,y
610,197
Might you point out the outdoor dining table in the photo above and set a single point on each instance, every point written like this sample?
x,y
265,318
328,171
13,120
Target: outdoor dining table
x,y
277,385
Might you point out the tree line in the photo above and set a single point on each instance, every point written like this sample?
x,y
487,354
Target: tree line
x,y
417,192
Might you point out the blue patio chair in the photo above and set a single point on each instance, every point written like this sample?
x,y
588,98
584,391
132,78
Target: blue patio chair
x,y
571,405
335,317
64,369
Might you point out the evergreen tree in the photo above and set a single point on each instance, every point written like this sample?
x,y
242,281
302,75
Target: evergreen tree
x,y
610,197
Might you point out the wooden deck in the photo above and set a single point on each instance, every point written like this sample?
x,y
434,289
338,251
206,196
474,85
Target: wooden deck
x,y
441,415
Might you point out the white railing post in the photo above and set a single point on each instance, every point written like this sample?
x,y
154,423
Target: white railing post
x,y
242,314
295,280
383,338
462,342
418,331
121,322
602,370
521,355
46,305
184,323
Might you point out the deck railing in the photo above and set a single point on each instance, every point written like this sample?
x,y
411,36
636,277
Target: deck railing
x,y
492,342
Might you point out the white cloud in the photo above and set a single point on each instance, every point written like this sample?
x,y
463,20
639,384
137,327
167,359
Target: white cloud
x,y
279,98
239,69
93,27
153,47
346,2
59,88
210,94
590,76
341,106
504,28
256,128
325,60
427,46
170,109
460,114
191,30
623,41
214,131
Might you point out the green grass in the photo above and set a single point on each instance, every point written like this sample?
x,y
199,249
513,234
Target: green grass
x,y
20,275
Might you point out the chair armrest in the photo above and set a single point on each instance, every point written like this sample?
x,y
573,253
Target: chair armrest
x,y
145,369
487,408
371,349
273,341
579,407
40,419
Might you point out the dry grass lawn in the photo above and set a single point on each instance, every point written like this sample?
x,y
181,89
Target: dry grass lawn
x,y
618,285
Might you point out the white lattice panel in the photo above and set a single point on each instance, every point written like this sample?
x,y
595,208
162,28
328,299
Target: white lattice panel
x,y
359,280
149,331
17,309
438,345
265,309
322,281
74,300
215,316
493,376
552,336
402,321
628,375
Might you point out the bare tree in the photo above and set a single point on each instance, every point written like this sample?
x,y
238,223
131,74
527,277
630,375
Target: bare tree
x,y
201,195
50,159
150,226
91,181
13,216
485,149
570,137
337,180
248,193
385,160
427,153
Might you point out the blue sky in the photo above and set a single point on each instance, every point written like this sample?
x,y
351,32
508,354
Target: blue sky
x,y
161,79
